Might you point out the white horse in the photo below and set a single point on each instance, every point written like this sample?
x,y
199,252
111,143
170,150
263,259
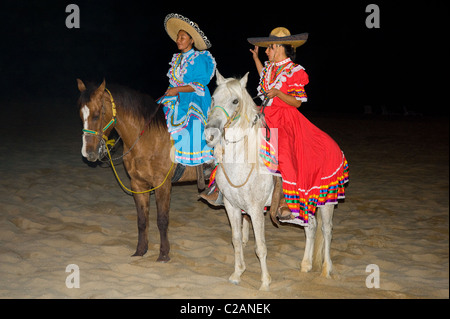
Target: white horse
x,y
245,183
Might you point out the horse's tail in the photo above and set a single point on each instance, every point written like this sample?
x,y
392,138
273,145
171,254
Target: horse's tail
x,y
318,243
276,196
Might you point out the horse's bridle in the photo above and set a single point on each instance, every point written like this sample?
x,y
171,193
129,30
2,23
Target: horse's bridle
x,y
230,119
107,126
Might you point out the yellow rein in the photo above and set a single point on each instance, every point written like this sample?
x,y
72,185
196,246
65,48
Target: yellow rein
x,y
129,190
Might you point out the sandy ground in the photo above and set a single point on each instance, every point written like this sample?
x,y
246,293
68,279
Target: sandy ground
x,y
55,210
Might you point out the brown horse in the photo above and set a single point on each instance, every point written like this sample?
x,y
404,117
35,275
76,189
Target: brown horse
x,y
146,143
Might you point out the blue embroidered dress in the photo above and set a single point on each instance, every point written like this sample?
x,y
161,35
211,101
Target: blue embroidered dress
x,y
186,113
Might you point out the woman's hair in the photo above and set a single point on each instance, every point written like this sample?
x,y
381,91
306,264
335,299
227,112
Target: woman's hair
x,y
289,50
186,33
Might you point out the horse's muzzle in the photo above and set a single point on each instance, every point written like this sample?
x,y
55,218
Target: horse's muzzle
x,y
92,157
92,151
212,136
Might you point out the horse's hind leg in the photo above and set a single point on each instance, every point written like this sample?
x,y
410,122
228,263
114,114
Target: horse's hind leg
x,y
327,228
261,248
234,215
310,232
162,196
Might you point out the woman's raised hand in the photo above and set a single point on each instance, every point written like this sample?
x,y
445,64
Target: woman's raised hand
x,y
258,63
255,52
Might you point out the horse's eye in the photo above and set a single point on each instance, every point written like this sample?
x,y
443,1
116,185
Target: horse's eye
x,y
235,101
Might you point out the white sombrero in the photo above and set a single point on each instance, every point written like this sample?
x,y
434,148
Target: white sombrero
x,y
280,35
175,22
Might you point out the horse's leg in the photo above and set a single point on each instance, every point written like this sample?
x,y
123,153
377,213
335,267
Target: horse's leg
x,y
327,228
245,229
310,232
234,215
261,248
162,197
142,206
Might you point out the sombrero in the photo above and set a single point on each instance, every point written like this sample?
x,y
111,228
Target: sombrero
x,y
175,22
280,35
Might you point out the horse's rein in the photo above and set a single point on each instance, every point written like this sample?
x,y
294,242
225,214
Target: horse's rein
x,y
231,119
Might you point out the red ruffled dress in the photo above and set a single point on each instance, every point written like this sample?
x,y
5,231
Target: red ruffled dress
x,y
312,166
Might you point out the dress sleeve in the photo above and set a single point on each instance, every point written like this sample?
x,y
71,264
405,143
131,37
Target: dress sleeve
x,y
262,81
296,85
200,72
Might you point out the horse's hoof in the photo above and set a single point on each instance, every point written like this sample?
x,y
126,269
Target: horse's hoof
x,y
234,279
163,259
326,274
264,287
139,254
327,269
305,266
234,282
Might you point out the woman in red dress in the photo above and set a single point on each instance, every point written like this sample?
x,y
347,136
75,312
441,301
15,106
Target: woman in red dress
x,y
311,164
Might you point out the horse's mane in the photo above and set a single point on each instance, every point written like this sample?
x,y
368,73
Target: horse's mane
x,y
133,102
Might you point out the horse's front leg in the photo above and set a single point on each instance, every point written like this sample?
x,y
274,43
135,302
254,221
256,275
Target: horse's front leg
x,y
162,196
310,231
234,215
142,207
245,229
261,248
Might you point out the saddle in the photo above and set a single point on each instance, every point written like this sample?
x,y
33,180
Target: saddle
x,y
203,173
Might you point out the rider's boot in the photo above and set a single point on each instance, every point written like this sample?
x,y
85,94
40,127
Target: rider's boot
x,y
284,213
212,195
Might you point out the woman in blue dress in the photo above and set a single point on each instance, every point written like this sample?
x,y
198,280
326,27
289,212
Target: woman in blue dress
x,y
187,100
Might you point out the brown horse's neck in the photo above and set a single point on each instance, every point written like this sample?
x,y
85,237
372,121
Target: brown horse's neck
x,y
129,127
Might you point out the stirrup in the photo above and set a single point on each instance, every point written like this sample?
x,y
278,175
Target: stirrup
x,y
213,196
284,213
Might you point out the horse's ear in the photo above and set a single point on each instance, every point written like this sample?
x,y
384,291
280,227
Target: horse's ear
x,y
103,85
244,80
220,78
101,89
81,85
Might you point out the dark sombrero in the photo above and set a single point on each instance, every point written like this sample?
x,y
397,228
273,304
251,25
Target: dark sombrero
x,y
280,35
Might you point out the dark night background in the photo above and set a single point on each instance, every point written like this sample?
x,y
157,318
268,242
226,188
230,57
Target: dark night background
x,y
399,64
